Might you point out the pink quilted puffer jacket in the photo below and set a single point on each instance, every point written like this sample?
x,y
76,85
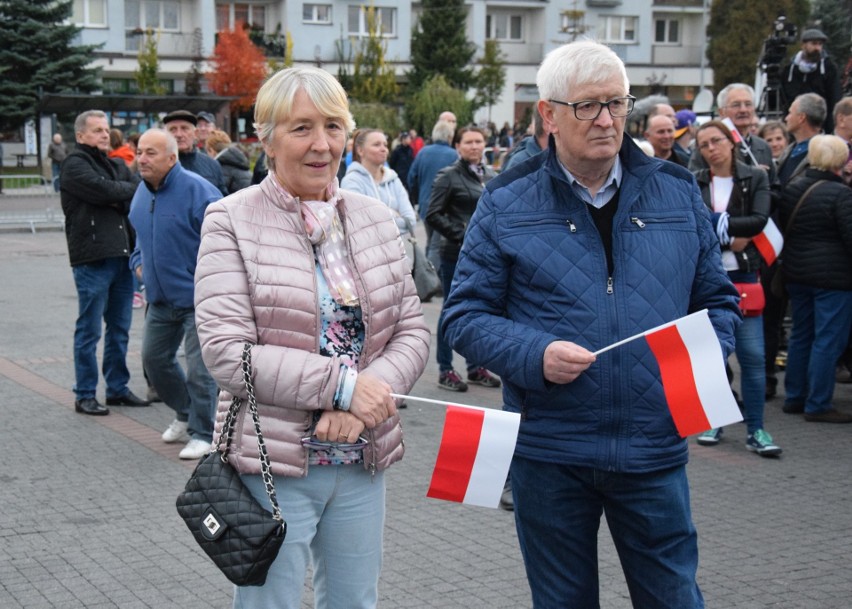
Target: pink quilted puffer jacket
x,y
255,282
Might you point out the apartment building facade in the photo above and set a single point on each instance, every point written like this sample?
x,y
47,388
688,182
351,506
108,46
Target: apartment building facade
x,y
661,41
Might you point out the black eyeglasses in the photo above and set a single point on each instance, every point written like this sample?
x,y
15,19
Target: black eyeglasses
x,y
589,109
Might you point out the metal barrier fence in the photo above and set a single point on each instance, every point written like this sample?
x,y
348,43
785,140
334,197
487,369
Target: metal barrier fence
x,y
29,201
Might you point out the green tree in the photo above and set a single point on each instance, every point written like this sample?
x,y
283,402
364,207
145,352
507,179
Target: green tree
x,y
439,45
147,75
834,18
376,115
491,77
37,53
436,95
194,75
373,79
737,31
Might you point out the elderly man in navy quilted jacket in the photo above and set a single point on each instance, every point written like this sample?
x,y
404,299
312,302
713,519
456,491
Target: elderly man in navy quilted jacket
x,y
568,252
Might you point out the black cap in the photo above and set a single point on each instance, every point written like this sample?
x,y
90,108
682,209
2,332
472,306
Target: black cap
x,y
206,116
180,115
813,34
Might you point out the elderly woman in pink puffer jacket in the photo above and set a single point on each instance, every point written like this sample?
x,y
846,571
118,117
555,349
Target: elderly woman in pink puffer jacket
x,y
317,280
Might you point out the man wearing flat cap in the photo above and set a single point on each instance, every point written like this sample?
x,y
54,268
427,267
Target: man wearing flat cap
x,y
182,125
812,71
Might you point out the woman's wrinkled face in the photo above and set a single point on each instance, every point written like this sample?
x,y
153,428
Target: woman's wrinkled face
x,y
374,150
306,148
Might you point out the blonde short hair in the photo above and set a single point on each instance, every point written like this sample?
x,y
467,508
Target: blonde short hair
x,y
275,99
827,152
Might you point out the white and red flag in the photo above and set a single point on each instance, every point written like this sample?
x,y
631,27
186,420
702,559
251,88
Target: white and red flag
x,y
692,368
769,242
474,457
738,138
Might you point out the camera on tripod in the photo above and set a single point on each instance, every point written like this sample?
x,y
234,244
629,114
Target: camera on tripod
x,y
773,54
775,49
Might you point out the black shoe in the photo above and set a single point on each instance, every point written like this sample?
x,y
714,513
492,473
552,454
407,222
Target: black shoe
x,y
128,399
794,408
91,406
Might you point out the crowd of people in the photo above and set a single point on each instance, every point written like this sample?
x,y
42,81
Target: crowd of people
x,y
546,250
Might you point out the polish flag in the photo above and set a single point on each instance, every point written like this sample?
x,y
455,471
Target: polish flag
x,y
693,374
474,457
734,131
770,242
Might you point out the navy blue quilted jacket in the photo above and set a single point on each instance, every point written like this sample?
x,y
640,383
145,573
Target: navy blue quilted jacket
x,y
533,270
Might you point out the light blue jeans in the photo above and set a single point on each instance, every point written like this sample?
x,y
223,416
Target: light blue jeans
x,y
749,350
335,520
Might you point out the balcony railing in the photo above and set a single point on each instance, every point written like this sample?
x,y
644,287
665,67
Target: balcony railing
x,y
688,55
173,44
680,3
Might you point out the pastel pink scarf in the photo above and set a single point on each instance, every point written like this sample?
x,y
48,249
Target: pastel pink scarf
x,y
326,234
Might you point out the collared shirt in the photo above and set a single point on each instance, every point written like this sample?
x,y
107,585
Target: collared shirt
x,y
606,192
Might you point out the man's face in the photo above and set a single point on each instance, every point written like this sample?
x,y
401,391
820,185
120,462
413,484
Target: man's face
x,y
583,142
95,133
184,133
660,134
794,118
152,159
812,49
666,110
739,107
202,131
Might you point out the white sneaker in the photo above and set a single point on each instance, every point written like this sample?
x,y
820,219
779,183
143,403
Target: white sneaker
x,y
194,449
176,432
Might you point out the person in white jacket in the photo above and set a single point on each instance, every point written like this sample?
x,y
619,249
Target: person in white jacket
x,y
369,175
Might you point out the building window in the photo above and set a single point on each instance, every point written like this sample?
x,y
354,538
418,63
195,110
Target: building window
x,y
667,31
504,26
89,13
229,15
617,29
316,13
385,16
152,14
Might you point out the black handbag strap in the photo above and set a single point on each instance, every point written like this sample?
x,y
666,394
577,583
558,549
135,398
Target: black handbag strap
x,y
799,205
228,432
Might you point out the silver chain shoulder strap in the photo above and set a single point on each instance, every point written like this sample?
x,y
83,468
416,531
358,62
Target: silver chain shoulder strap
x,y
228,431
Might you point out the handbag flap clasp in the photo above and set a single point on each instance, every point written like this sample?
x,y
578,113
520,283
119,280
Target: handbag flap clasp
x,y
212,525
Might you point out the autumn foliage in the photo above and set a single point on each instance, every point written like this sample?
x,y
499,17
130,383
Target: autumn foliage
x,y
239,68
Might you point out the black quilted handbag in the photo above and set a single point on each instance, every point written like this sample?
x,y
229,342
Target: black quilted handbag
x,y
235,531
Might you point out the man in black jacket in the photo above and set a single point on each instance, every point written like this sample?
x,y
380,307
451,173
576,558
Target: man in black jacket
x,y
812,71
96,193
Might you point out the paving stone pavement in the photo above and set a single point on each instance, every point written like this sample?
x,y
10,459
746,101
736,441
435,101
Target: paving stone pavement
x,y
87,516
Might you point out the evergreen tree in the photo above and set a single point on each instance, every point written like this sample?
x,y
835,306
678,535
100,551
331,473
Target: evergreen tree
x,y
834,18
436,95
491,77
194,75
373,79
37,53
439,45
737,31
147,75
